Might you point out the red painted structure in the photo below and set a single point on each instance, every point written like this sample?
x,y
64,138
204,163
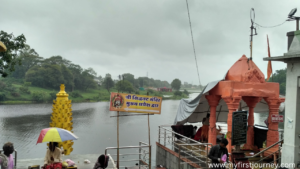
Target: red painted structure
x,y
244,81
164,89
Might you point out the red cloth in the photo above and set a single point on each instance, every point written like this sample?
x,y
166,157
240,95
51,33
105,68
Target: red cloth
x,y
53,166
198,134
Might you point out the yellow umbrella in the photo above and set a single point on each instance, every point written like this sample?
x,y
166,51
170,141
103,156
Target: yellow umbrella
x,y
2,47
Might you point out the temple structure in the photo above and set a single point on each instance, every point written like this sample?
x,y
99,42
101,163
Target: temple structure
x,y
244,82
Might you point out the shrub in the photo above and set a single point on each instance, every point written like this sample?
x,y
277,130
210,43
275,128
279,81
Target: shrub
x,y
24,89
186,92
75,94
2,96
150,91
38,96
178,93
137,92
52,95
15,94
27,83
2,86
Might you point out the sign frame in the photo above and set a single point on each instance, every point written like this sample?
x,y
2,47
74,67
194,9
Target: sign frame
x,y
277,118
239,124
133,103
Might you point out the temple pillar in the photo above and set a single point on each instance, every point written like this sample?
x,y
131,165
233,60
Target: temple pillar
x,y
251,103
233,105
273,135
213,101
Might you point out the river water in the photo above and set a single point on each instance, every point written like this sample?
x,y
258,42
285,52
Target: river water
x,y
21,124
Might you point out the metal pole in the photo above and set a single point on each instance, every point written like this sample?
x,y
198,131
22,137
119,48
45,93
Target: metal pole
x,y
251,38
159,134
140,151
206,156
297,24
165,135
118,153
149,137
179,156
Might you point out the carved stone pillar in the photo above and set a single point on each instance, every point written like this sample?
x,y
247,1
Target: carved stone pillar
x,y
213,101
273,135
251,103
233,105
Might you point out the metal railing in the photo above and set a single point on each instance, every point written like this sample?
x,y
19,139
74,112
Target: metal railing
x,y
143,154
262,158
196,152
16,155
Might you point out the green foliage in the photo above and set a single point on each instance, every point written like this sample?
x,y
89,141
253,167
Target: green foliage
x,y
15,94
124,86
186,92
178,93
52,95
108,83
27,84
280,77
2,85
176,83
9,59
29,58
137,92
24,89
75,94
2,96
38,96
150,91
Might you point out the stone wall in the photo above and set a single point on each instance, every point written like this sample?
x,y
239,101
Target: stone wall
x,y
169,159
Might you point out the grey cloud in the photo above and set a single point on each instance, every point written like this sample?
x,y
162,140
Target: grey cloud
x,y
150,36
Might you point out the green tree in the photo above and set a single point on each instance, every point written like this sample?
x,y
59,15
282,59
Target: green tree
x,y
47,76
9,59
129,77
280,77
76,71
124,85
108,83
29,58
57,60
176,83
87,79
68,78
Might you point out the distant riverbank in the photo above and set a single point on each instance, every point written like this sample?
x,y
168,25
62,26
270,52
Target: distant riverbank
x,y
42,95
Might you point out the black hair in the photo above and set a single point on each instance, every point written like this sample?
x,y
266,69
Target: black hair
x,y
208,115
8,148
55,144
224,141
103,161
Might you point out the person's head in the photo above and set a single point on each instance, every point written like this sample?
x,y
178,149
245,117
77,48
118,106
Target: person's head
x,y
101,160
195,127
208,115
224,143
203,120
52,146
8,148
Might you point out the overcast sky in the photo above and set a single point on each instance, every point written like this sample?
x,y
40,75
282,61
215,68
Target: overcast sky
x,y
139,36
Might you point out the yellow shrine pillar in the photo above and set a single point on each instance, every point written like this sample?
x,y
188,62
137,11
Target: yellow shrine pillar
x,y
62,116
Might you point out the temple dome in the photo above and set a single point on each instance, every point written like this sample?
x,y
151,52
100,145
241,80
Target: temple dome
x,y
245,70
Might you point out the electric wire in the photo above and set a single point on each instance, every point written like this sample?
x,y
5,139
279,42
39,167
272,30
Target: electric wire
x,y
187,5
258,25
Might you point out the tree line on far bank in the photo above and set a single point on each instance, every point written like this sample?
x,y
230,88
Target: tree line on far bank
x,y
21,64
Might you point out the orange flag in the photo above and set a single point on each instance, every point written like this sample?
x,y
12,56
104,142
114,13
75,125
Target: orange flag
x,y
269,62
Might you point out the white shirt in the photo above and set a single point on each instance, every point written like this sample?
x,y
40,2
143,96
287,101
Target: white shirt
x,y
56,155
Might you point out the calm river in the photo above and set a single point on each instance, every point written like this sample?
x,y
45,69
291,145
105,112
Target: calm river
x,y
21,124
